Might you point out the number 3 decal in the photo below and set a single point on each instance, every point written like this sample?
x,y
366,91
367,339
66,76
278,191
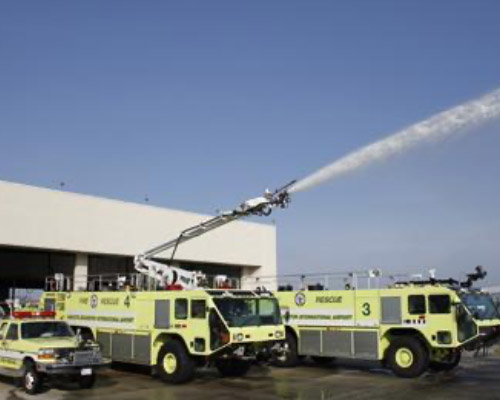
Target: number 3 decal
x,y
366,309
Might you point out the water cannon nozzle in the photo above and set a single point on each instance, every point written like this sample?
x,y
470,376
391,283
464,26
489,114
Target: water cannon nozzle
x,y
281,196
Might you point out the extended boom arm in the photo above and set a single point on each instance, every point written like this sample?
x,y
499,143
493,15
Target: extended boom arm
x,y
168,275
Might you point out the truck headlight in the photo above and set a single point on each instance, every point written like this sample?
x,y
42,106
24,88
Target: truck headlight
x,y
46,354
444,337
279,334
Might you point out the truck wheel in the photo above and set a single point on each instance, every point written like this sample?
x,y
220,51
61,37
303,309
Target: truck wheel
x,y
448,365
87,382
322,360
290,357
232,367
174,364
407,357
32,379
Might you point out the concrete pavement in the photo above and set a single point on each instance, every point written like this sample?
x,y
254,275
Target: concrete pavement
x,y
474,378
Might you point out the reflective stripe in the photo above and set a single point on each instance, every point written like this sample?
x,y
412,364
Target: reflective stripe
x,y
327,317
320,311
15,355
101,319
364,323
100,324
94,313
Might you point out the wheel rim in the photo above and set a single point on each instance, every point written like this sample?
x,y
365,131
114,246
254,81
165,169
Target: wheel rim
x,y
169,363
404,357
29,380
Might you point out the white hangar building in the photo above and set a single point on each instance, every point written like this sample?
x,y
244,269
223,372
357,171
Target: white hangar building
x,y
45,231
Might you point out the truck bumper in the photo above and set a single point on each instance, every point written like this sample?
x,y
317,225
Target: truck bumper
x,y
260,351
69,369
488,336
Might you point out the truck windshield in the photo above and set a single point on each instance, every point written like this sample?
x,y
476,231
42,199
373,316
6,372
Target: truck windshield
x,y
241,312
35,330
480,305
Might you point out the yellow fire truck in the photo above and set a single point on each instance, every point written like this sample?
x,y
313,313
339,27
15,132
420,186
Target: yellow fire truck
x,y
410,327
176,330
166,317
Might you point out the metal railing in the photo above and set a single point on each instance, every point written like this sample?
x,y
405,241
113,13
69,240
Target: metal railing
x,y
119,282
368,279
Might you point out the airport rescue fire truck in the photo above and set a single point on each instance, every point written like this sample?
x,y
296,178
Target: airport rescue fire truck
x,y
166,317
411,326
34,346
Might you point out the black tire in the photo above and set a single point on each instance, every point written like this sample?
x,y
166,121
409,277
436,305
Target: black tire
x,y
323,361
87,381
32,379
174,364
439,366
407,357
232,367
290,357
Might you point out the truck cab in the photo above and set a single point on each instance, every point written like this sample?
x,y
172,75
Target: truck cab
x,y
486,316
34,346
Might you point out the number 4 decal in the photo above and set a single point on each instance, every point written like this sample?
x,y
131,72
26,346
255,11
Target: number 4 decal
x,y
366,309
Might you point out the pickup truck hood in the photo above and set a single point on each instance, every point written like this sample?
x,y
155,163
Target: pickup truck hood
x,y
52,343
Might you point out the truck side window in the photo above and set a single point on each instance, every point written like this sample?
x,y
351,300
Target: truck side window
x,y
439,304
416,304
198,309
12,333
181,309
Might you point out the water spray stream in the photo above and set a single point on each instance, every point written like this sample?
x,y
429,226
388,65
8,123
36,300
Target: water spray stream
x,y
437,127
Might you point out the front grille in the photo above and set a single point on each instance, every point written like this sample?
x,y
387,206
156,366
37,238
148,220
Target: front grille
x,y
86,357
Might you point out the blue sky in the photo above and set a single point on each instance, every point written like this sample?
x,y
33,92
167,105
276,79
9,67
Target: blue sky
x,y
200,105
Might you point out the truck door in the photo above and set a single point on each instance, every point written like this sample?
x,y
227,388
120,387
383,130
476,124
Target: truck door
x,y
198,324
440,319
3,358
10,356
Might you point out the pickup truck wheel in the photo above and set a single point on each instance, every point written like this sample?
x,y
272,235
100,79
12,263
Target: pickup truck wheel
x,y
87,381
289,357
32,379
174,364
407,357
232,367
